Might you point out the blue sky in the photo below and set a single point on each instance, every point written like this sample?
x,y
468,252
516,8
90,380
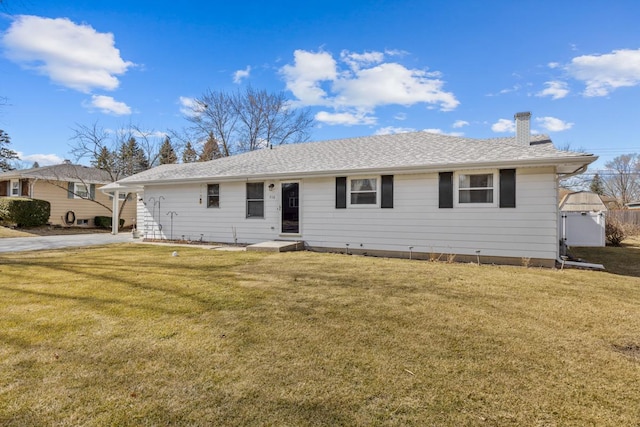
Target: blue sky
x,y
363,67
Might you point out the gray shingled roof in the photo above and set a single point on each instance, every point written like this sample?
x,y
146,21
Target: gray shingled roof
x,y
405,151
62,172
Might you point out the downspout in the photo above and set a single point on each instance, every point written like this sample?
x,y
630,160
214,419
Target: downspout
x,y
563,217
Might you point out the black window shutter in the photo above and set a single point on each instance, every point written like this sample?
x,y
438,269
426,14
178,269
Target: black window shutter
x,y
507,188
386,200
70,188
341,192
92,191
445,190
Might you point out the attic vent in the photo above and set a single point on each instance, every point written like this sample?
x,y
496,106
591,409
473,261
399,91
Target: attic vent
x,y
523,128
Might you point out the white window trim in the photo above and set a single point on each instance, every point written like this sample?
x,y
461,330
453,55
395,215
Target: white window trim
x,y
378,192
456,189
11,183
264,201
76,193
207,199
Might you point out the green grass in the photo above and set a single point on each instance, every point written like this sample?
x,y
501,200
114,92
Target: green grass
x,y
129,335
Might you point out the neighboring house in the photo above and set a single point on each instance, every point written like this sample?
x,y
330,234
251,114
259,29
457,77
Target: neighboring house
x,y
582,219
633,205
421,193
71,190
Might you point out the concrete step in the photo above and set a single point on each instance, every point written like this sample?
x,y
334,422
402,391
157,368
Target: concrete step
x,y
277,246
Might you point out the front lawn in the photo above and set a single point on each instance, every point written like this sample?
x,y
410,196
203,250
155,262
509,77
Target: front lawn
x,y
130,335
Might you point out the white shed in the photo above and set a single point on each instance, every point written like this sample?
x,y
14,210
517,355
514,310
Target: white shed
x,y
583,219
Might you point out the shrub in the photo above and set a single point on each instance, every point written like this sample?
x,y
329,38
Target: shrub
x,y
614,231
24,212
105,221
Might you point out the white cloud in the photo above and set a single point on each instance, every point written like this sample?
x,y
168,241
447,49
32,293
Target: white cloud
x,y
189,106
361,82
345,118
604,73
460,123
359,60
392,83
504,125
554,89
514,88
149,134
42,159
240,75
433,130
441,132
553,65
72,55
108,105
304,77
400,116
553,124
389,130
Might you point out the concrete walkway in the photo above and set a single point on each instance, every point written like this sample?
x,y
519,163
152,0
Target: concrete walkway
x,y
21,244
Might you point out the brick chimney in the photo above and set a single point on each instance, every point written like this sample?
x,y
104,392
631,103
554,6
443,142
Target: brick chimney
x,y
523,128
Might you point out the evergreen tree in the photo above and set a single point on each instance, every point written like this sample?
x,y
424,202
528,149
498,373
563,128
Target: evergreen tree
x,y
6,153
189,155
167,153
210,149
35,165
104,160
131,158
597,186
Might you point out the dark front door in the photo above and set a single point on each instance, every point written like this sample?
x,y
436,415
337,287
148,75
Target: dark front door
x,y
290,207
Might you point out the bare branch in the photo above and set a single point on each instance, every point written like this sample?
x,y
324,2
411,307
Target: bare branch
x,y
246,120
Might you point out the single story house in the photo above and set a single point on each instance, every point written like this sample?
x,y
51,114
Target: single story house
x,y
71,190
583,219
417,193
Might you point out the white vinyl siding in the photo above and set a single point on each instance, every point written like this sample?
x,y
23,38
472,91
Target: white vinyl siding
x,y
529,230
194,221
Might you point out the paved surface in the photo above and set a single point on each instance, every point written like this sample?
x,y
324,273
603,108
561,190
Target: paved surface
x,y
21,244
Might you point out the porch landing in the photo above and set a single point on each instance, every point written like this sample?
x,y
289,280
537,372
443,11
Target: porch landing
x,y
277,246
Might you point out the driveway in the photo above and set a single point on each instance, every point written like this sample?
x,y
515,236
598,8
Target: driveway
x,y
21,244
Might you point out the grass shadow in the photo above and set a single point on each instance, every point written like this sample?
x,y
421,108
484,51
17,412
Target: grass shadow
x,y
623,260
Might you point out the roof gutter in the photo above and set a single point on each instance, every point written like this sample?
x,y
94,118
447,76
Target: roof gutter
x,y
396,170
578,171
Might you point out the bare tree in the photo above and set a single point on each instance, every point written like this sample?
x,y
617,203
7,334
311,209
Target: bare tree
x,y
93,142
248,120
214,113
122,152
622,179
63,174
